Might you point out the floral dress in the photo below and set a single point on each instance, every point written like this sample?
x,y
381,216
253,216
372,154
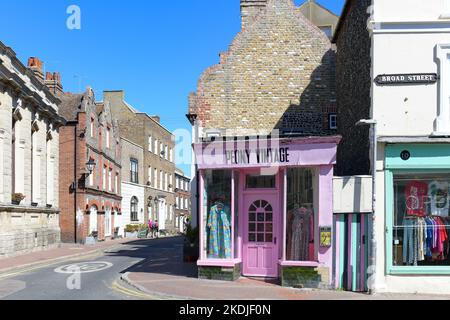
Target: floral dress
x,y
219,224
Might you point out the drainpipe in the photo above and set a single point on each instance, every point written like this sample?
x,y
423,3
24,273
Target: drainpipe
x,y
373,241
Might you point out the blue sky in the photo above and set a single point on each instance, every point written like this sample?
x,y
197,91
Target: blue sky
x,y
154,50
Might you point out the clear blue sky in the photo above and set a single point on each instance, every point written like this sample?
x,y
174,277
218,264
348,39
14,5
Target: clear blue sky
x,y
154,50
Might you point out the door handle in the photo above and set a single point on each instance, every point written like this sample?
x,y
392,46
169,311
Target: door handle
x,y
275,240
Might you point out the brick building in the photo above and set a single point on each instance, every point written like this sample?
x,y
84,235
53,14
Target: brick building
x,y
29,153
182,199
90,201
159,158
265,148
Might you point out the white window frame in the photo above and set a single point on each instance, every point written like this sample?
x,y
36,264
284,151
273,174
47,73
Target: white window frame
x,y
104,178
443,117
150,144
332,116
110,180
116,183
155,178
108,137
161,177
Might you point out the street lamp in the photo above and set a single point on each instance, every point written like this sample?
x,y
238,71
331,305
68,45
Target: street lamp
x,y
373,251
90,166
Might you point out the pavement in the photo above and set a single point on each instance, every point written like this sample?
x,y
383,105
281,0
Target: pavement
x,y
141,270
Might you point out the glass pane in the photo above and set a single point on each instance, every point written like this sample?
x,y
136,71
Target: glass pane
x,y
261,227
260,182
252,216
264,204
260,217
252,237
252,227
269,227
269,237
269,208
421,205
300,215
260,237
217,219
269,217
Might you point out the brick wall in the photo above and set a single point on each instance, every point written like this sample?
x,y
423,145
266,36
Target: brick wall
x,y
279,72
353,78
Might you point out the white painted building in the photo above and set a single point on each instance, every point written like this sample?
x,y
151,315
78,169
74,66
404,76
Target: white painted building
x,y
410,101
29,157
133,188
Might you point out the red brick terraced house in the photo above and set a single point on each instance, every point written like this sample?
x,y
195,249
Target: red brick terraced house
x,y
90,170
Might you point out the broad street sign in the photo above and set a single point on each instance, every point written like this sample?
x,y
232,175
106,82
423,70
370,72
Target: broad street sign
x,y
406,79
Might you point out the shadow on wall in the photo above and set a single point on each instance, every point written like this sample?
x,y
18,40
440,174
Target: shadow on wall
x,y
317,101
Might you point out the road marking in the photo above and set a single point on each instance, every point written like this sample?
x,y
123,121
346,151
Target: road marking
x,y
84,267
128,292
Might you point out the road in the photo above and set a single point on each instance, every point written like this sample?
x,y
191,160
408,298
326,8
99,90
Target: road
x,y
89,278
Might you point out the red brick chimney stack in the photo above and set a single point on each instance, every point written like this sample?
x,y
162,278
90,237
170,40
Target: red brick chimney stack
x,y
35,65
53,82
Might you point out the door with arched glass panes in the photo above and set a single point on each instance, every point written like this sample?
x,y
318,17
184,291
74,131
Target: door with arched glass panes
x,y
260,246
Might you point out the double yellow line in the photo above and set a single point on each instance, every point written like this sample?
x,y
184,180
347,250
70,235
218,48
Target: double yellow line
x,y
119,288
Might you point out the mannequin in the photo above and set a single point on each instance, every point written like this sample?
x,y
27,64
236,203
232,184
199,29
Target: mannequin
x,y
219,225
300,234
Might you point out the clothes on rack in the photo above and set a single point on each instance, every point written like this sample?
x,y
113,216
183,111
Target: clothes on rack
x,y
302,234
219,228
425,239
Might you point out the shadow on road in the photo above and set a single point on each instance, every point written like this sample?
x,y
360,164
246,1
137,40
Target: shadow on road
x,y
160,256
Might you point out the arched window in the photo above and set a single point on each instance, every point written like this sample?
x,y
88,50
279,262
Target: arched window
x,y
134,209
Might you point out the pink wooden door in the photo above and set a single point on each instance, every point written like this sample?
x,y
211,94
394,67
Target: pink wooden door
x,y
260,245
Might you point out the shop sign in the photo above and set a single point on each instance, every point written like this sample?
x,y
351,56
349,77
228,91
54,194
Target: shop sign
x,y
406,79
325,237
258,156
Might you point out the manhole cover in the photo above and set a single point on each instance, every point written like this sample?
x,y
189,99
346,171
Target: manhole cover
x,y
84,267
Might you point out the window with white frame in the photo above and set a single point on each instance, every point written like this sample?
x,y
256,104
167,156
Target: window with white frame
x,y
171,155
332,121
170,183
110,180
92,127
149,175
108,137
177,183
443,118
91,178
104,177
166,153
161,149
155,178
166,182
116,183
156,146
150,144
161,177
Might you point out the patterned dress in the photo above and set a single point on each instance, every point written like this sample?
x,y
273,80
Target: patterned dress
x,y
219,223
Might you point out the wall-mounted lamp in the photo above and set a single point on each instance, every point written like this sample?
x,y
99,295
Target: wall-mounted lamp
x,y
90,166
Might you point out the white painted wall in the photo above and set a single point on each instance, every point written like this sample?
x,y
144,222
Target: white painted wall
x,y
406,43
410,10
406,110
129,191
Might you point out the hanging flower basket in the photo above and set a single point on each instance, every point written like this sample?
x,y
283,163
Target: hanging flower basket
x,y
17,198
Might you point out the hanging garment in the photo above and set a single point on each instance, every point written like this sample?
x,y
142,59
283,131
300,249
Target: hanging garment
x,y
420,239
429,235
439,197
219,233
416,194
300,238
410,242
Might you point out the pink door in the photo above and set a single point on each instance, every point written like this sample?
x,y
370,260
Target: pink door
x,y
260,245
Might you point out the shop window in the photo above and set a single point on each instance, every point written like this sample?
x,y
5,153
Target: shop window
x,y
421,223
217,214
300,215
260,182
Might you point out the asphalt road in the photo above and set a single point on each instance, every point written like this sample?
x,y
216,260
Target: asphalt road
x,y
88,278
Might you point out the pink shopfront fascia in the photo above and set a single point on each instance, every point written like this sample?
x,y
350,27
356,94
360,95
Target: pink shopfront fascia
x,y
258,213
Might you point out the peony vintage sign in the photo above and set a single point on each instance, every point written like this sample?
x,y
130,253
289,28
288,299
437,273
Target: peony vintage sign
x,y
406,79
309,151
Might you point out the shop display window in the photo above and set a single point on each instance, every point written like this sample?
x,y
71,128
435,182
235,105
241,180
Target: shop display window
x,y
217,217
300,220
421,226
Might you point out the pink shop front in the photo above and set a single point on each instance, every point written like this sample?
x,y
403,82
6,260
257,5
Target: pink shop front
x,y
266,209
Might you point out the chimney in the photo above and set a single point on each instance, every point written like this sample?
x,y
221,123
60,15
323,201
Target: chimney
x,y
53,82
250,9
156,118
35,65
